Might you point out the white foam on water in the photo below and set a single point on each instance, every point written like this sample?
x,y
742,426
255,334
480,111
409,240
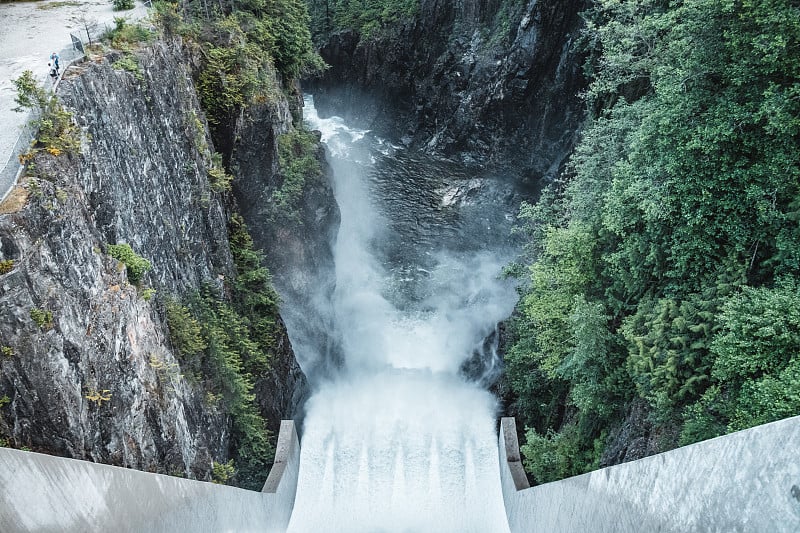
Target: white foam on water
x,y
410,451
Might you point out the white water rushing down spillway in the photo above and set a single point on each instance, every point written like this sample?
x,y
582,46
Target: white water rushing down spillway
x,y
400,442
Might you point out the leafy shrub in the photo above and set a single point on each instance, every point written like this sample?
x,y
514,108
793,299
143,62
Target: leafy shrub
x,y
42,317
760,333
131,64
135,264
220,180
705,419
56,131
124,35
122,5
770,398
555,455
6,266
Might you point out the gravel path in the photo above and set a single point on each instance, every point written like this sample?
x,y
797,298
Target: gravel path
x,y
29,32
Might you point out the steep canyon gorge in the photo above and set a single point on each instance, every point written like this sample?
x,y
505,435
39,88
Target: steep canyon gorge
x,y
142,179
473,208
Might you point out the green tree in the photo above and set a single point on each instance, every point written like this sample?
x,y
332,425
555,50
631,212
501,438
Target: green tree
x,y
56,131
299,169
760,332
184,329
665,264
226,344
135,264
365,16
669,350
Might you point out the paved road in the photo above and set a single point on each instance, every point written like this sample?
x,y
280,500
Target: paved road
x,y
29,32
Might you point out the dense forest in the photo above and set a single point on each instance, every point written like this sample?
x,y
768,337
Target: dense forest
x,y
364,16
662,268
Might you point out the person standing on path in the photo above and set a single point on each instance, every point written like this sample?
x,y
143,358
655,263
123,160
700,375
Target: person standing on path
x,y
54,59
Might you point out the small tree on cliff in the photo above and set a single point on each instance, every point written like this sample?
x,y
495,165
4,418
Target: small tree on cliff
x,y
87,24
57,133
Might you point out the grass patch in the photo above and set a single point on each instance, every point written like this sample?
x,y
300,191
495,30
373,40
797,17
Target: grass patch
x,y
131,64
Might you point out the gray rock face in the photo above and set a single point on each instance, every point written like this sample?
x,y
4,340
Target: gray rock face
x,y
141,179
143,171
467,78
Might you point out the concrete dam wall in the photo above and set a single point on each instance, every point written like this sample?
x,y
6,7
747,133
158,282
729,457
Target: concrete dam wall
x,y
52,494
745,481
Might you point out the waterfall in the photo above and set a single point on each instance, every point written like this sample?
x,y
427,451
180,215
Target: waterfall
x,y
400,440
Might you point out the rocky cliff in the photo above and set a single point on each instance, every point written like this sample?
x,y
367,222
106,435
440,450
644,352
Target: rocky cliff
x,y
88,369
485,80
299,239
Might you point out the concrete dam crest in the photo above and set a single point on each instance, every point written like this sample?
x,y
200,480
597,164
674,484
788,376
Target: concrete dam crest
x,y
745,481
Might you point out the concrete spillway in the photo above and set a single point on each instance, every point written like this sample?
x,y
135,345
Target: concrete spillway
x,y
422,458
42,493
745,481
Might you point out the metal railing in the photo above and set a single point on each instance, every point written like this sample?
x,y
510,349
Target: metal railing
x,y
12,167
77,44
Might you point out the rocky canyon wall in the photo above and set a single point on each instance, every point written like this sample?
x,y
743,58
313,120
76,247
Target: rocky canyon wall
x,y
482,80
88,370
